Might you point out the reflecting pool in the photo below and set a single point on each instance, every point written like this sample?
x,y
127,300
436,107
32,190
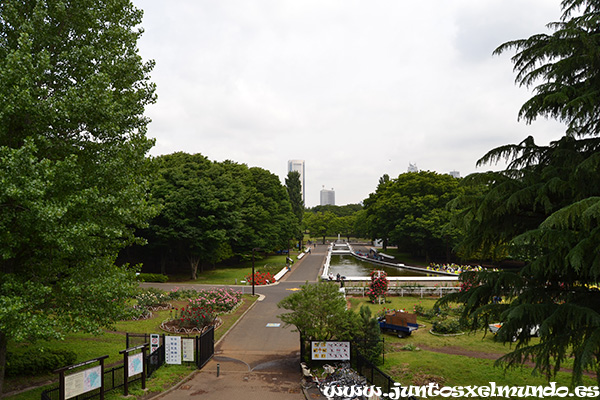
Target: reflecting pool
x,y
348,265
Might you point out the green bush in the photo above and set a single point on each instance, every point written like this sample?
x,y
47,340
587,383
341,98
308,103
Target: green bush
x,y
152,297
152,278
447,326
36,361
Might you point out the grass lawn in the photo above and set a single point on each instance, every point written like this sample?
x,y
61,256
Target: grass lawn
x,y
451,360
88,346
421,367
237,274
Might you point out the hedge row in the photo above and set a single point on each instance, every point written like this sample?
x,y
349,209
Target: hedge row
x,y
37,361
152,278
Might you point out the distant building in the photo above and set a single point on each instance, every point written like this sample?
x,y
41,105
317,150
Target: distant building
x,y
298,166
327,197
412,167
454,174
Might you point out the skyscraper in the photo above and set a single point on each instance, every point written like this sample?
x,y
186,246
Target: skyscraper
x,y
298,166
327,197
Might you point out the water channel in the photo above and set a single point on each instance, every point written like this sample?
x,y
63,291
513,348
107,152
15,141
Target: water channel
x,y
348,265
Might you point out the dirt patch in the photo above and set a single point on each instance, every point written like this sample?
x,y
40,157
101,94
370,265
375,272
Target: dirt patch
x,y
404,373
457,351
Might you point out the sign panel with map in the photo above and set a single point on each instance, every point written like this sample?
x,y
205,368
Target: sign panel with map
x,y
135,364
82,382
330,350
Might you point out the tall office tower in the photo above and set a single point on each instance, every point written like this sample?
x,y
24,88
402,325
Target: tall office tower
x,y
298,165
327,197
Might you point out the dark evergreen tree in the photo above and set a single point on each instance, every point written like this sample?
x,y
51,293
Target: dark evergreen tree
x,y
294,188
544,209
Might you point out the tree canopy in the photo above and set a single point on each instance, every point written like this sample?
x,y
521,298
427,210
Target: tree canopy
x,y
544,208
73,170
411,211
212,211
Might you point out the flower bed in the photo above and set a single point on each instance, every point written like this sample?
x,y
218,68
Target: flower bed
x,y
153,298
202,311
261,278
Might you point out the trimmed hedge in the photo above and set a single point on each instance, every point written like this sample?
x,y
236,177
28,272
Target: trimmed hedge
x,y
152,278
37,361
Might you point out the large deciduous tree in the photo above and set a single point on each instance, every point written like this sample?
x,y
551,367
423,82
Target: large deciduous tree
x,y
212,211
544,208
411,211
73,171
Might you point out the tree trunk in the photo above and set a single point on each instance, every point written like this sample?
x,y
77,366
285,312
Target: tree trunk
x,y
194,262
3,345
163,264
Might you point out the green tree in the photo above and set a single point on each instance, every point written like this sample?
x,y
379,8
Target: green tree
x,y
267,214
200,209
214,211
294,189
412,212
73,170
321,224
367,335
544,208
318,311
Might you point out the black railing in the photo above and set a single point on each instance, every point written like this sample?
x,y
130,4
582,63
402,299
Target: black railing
x,y
205,347
114,378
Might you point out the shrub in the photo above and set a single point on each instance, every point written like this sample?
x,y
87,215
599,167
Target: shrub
x,y
218,300
152,297
36,361
447,326
378,286
193,316
152,278
261,278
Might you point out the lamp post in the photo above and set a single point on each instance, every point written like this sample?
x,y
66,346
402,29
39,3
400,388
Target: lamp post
x,y
253,277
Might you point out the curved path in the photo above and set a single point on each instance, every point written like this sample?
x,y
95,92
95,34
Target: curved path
x,y
256,359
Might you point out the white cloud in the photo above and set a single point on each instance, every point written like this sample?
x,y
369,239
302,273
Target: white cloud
x,y
356,88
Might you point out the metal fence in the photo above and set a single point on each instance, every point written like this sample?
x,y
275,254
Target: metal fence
x,y
428,291
373,374
114,377
205,347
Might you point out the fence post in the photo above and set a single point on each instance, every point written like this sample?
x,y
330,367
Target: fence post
x,y
126,375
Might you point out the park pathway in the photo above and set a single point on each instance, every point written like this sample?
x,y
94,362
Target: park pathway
x,y
258,358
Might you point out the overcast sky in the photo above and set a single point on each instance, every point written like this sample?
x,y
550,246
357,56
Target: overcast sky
x,y
355,88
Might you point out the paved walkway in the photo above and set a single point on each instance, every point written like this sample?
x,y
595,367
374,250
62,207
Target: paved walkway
x,y
257,359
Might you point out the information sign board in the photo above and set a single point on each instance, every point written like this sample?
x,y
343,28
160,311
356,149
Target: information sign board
x,y
173,349
136,364
330,350
83,382
154,342
187,349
